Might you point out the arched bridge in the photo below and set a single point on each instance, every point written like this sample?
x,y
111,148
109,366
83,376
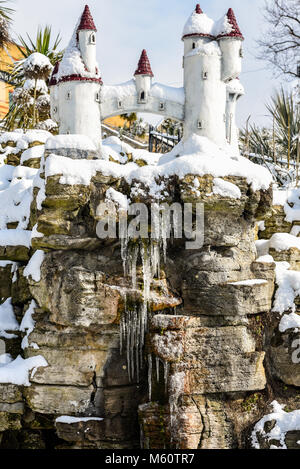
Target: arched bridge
x,y
126,98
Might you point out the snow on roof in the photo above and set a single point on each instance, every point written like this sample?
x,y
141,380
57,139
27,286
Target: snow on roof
x,y
198,24
86,22
227,26
72,66
168,92
144,67
120,91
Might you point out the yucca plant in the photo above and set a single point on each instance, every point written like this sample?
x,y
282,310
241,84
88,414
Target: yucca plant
x,y
43,44
5,20
282,140
286,116
19,114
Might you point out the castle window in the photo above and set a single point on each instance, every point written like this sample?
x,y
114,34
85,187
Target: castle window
x,y
92,38
55,109
200,125
68,97
205,75
162,106
142,96
98,97
194,45
241,52
231,96
119,104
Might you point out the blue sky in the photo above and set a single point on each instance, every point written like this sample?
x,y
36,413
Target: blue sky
x,y
125,27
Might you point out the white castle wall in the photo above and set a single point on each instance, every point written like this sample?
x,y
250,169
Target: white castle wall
x,y
79,110
205,92
87,45
231,58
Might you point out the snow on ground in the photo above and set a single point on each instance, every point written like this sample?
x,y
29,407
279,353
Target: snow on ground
x,y
285,422
197,156
15,238
33,152
226,189
118,197
288,282
79,142
33,268
17,371
16,195
69,419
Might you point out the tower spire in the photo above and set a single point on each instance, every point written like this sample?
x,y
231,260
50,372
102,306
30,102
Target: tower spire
x,y
86,21
235,30
144,67
198,9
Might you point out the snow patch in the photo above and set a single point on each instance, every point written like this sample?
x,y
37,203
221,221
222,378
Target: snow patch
x,y
285,422
33,267
17,371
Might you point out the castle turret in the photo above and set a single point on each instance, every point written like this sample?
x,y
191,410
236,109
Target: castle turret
x,y
205,92
87,39
143,78
75,84
230,39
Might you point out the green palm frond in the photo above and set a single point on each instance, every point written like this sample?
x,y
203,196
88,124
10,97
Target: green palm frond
x,y
6,12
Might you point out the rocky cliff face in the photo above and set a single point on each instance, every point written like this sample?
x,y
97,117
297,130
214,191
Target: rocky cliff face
x,y
212,357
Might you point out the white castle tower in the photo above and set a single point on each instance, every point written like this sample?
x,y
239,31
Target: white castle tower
x,y
75,84
212,58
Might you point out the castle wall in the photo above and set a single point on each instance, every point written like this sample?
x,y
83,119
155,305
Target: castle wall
x,y
79,111
205,96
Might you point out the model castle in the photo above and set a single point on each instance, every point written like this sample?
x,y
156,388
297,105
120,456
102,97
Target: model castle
x,y
206,104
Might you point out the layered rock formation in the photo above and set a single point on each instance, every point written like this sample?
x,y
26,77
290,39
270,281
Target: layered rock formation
x,y
212,357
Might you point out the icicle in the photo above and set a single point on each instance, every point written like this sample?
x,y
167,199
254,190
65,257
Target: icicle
x,y
166,374
150,376
157,369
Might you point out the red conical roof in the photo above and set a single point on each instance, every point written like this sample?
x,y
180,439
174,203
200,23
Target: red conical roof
x,y
235,32
53,80
144,67
198,9
86,21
